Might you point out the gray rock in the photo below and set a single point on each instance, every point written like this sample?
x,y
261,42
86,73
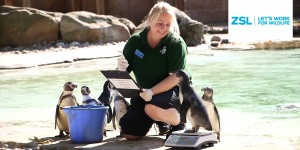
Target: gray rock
x,y
129,24
23,26
84,26
26,26
60,44
74,44
215,38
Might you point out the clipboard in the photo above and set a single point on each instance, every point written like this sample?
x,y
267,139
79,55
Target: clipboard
x,y
123,82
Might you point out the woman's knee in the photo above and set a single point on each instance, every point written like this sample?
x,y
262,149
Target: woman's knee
x,y
151,111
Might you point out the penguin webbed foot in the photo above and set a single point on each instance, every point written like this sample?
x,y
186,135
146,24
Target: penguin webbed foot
x,y
61,134
121,135
104,133
189,131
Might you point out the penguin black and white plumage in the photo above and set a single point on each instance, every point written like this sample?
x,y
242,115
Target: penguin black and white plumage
x,y
192,104
212,110
88,98
116,102
106,98
66,99
120,106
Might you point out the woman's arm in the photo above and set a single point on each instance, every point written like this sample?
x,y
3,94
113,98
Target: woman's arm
x,y
166,84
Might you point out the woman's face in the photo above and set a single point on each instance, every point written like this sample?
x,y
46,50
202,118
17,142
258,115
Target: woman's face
x,y
162,26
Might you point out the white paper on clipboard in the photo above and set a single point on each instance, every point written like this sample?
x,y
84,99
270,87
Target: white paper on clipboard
x,y
124,83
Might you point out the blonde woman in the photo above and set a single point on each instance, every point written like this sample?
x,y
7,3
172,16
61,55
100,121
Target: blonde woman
x,y
153,55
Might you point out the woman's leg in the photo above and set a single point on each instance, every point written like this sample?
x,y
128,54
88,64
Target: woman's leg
x,y
135,124
164,107
170,116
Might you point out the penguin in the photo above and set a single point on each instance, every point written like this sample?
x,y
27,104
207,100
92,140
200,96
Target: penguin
x,y
192,105
119,109
116,102
106,98
212,110
88,99
66,99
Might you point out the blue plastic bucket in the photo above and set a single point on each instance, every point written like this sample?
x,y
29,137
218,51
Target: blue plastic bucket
x,y
86,123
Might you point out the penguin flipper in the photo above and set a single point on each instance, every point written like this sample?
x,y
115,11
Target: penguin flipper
x,y
104,97
217,112
183,110
114,119
73,96
56,115
109,114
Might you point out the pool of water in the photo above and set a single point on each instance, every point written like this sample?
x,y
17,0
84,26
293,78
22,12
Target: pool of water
x,y
248,87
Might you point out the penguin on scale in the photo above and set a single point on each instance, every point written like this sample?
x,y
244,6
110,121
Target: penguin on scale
x,y
195,110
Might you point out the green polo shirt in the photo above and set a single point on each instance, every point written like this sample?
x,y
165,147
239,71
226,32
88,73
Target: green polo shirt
x,y
150,66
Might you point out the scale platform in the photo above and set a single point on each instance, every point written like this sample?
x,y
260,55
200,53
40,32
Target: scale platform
x,y
199,139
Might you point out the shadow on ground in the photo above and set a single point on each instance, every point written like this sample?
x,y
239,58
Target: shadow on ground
x,y
149,142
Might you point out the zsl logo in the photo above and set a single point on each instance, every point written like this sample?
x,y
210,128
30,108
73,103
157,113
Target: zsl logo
x,y
240,20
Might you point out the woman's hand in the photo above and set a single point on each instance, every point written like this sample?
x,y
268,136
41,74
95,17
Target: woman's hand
x,y
146,94
122,63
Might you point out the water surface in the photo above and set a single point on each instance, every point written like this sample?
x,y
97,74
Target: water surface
x,y
248,85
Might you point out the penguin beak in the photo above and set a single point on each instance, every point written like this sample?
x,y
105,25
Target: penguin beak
x,y
85,90
203,89
207,89
73,86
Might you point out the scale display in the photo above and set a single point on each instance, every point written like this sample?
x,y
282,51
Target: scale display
x,y
192,140
182,140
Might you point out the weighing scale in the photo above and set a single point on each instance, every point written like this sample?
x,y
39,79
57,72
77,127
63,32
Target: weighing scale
x,y
199,139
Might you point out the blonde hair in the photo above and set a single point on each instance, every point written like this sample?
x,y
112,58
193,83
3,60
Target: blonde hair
x,y
157,9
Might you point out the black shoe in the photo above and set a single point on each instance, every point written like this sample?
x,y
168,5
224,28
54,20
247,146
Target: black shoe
x,y
178,127
163,127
